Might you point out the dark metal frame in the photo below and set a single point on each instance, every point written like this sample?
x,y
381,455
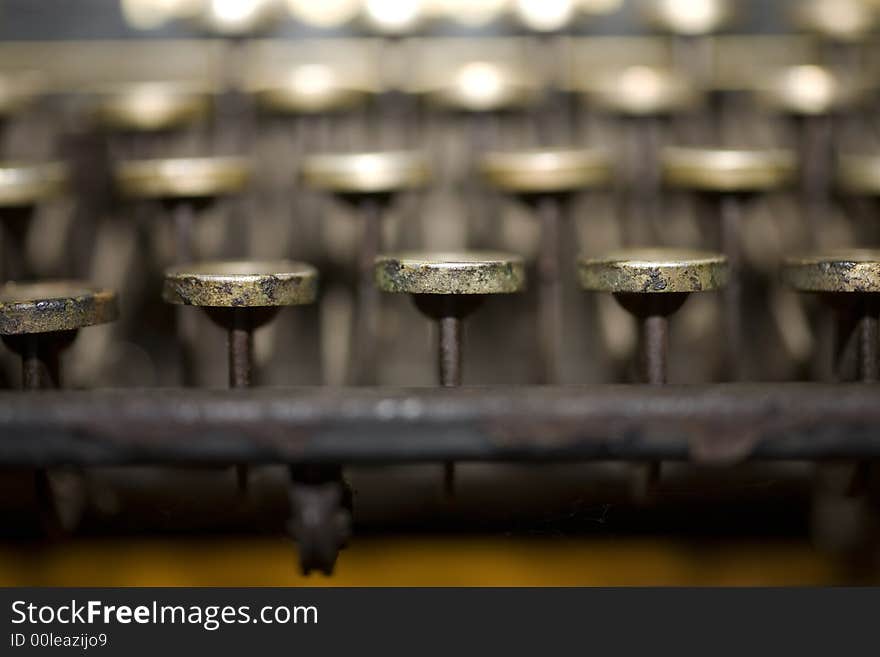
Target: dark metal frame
x,y
707,424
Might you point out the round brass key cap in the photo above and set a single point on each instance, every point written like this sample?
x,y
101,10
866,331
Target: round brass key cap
x,y
28,184
727,171
205,177
837,20
310,89
237,19
151,106
366,173
241,284
54,306
690,17
642,91
481,86
654,271
859,174
810,90
469,272
546,171
839,271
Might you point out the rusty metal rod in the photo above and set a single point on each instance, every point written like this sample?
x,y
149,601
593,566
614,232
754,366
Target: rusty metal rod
x,y
720,423
240,343
868,348
449,373
731,245
366,319
183,225
449,351
655,348
550,289
183,219
40,366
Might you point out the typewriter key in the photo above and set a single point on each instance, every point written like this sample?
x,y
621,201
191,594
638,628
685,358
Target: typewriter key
x,y
369,181
183,184
692,24
859,174
38,321
241,297
642,91
22,188
843,26
545,180
151,106
644,98
690,18
482,87
808,90
447,287
18,93
237,19
849,281
311,89
811,96
729,178
652,285
846,21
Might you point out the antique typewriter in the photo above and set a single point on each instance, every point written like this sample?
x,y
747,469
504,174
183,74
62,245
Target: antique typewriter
x,y
363,267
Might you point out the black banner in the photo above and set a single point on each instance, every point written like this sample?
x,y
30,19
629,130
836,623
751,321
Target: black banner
x,y
449,621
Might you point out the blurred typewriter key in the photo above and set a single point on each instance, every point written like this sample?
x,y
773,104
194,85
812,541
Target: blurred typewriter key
x,y
151,106
652,285
311,89
692,24
369,181
183,185
810,90
447,287
147,119
482,87
23,187
38,321
729,178
394,18
242,18
813,97
843,26
849,281
645,99
545,180
18,93
689,18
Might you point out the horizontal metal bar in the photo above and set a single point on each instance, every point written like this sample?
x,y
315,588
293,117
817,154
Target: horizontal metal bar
x,y
716,423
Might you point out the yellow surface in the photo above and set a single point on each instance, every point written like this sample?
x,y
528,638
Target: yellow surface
x,y
481,561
